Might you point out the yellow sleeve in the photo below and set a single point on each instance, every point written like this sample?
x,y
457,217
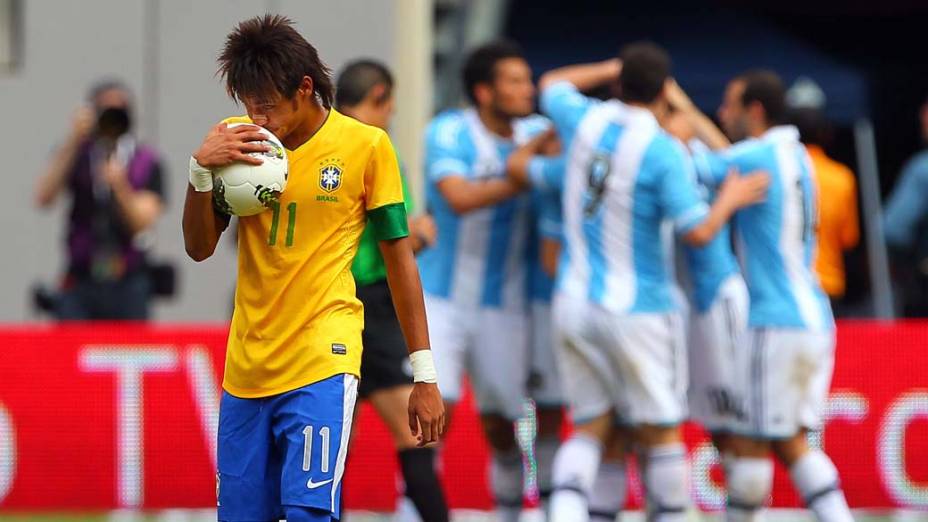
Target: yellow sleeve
x,y
383,189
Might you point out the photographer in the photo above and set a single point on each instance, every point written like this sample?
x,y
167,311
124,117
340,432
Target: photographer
x,y
117,188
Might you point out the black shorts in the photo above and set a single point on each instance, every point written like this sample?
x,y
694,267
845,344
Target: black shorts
x,y
385,360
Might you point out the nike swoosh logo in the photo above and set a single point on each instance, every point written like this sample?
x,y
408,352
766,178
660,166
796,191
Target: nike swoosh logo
x,y
313,485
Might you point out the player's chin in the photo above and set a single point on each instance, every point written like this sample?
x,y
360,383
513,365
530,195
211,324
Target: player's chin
x,y
521,112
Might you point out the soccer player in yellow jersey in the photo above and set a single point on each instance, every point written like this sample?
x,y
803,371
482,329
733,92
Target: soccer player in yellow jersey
x,y
294,348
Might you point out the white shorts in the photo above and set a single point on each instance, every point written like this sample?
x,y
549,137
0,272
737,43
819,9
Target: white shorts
x,y
714,336
544,383
633,364
490,344
783,376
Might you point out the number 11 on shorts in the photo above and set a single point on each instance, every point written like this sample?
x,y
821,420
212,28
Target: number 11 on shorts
x,y
324,434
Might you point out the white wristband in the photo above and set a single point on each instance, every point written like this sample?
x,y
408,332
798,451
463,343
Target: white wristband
x,y
200,178
423,367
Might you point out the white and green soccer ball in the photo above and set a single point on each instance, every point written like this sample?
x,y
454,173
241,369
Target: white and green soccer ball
x,y
242,190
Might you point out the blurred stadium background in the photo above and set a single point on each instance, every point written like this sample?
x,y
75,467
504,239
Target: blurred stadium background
x,y
116,422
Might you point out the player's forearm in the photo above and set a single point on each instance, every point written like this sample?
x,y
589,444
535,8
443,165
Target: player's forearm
x,y
584,76
406,288
550,253
53,181
719,214
473,195
706,131
201,230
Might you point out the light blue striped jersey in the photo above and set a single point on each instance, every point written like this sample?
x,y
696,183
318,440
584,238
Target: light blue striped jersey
x,y
775,239
711,264
479,258
546,175
625,178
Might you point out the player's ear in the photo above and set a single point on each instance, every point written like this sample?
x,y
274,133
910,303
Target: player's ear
x,y
306,86
377,94
483,93
756,111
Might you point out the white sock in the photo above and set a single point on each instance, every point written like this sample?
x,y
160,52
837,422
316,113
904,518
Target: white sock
x,y
608,497
816,479
545,449
574,471
749,481
506,483
667,483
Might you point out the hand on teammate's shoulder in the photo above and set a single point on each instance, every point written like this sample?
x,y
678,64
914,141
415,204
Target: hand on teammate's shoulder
x,y
747,189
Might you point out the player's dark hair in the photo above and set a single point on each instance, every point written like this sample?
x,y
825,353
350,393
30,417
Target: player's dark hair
x,y
266,54
357,79
645,69
766,88
480,66
812,125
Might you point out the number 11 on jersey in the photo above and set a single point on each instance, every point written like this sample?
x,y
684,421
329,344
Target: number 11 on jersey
x,y
291,223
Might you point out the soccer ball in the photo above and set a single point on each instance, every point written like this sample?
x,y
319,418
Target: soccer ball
x,y
242,190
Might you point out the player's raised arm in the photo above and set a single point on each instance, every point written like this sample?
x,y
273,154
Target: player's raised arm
x,y
706,131
583,76
222,146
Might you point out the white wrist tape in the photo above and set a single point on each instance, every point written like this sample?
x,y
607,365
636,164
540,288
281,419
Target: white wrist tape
x,y
423,367
200,178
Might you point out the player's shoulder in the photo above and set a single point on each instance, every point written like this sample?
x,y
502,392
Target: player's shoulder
x,y
358,130
447,128
749,150
665,148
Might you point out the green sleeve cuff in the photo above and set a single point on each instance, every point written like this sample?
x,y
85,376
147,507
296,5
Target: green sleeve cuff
x,y
388,221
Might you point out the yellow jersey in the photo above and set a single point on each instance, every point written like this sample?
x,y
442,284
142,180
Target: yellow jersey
x,y
297,320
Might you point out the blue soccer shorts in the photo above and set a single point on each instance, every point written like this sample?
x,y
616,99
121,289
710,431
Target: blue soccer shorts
x,y
284,450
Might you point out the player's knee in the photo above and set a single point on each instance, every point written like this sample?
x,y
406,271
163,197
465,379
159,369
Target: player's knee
x,y
306,514
790,450
653,435
750,481
750,448
666,480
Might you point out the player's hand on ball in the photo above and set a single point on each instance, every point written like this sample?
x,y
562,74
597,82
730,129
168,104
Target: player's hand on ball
x,y
225,145
426,413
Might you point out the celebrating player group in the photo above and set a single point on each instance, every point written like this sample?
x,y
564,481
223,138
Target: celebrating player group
x,y
547,273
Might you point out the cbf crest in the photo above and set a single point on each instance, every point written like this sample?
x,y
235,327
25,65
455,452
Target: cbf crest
x,y
330,174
